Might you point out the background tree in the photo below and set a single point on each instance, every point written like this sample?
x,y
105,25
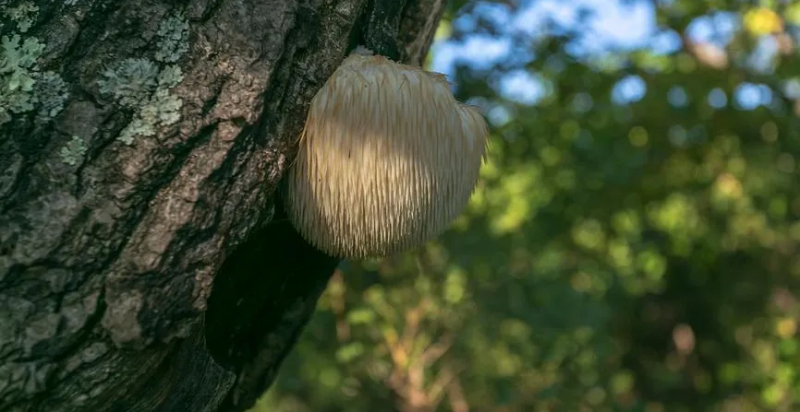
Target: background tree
x,y
633,246
141,144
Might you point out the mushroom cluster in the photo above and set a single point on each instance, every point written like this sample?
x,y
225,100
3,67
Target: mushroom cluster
x,y
387,159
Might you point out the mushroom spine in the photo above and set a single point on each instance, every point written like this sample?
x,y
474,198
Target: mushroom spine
x,y
387,159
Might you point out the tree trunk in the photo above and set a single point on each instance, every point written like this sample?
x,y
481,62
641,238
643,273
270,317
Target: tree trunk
x,y
141,145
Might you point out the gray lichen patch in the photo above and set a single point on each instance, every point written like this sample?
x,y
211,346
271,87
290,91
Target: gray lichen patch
x,y
172,44
24,15
17,74
144,85
130,82
23,86
73,151
51,92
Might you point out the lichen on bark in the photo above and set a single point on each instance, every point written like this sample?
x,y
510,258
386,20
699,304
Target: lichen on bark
x,y
108,251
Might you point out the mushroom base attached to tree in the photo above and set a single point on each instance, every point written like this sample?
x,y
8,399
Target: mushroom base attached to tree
x,y
388,158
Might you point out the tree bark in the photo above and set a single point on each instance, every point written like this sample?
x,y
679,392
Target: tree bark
x,y
144,261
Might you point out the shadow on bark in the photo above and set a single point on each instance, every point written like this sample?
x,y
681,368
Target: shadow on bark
x,y
262,298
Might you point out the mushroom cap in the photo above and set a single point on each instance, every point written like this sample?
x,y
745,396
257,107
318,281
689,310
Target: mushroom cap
x,y
387,159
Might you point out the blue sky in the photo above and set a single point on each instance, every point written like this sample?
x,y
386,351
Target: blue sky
x,y
614,25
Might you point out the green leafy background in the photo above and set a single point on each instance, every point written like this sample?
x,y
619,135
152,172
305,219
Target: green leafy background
x,y
632,246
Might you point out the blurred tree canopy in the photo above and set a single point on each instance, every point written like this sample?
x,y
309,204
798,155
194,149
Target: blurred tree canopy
x,y
633,244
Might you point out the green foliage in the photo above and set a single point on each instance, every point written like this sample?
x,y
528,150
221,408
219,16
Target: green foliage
x,y
619,255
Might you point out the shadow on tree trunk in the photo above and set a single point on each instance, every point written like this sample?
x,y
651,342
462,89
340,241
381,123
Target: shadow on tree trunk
x,y
263,296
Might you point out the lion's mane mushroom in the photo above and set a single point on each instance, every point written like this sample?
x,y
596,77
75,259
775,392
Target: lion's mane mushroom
x,y
387,159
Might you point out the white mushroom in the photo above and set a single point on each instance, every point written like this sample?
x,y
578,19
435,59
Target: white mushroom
x,y
387,159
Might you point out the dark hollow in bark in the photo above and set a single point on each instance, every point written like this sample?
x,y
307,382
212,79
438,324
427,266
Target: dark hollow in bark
x,y
107,260
253,313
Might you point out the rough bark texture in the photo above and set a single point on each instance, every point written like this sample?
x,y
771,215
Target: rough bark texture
x,y
109,251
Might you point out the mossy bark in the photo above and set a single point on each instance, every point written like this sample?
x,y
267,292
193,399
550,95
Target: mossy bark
x,y
155,276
